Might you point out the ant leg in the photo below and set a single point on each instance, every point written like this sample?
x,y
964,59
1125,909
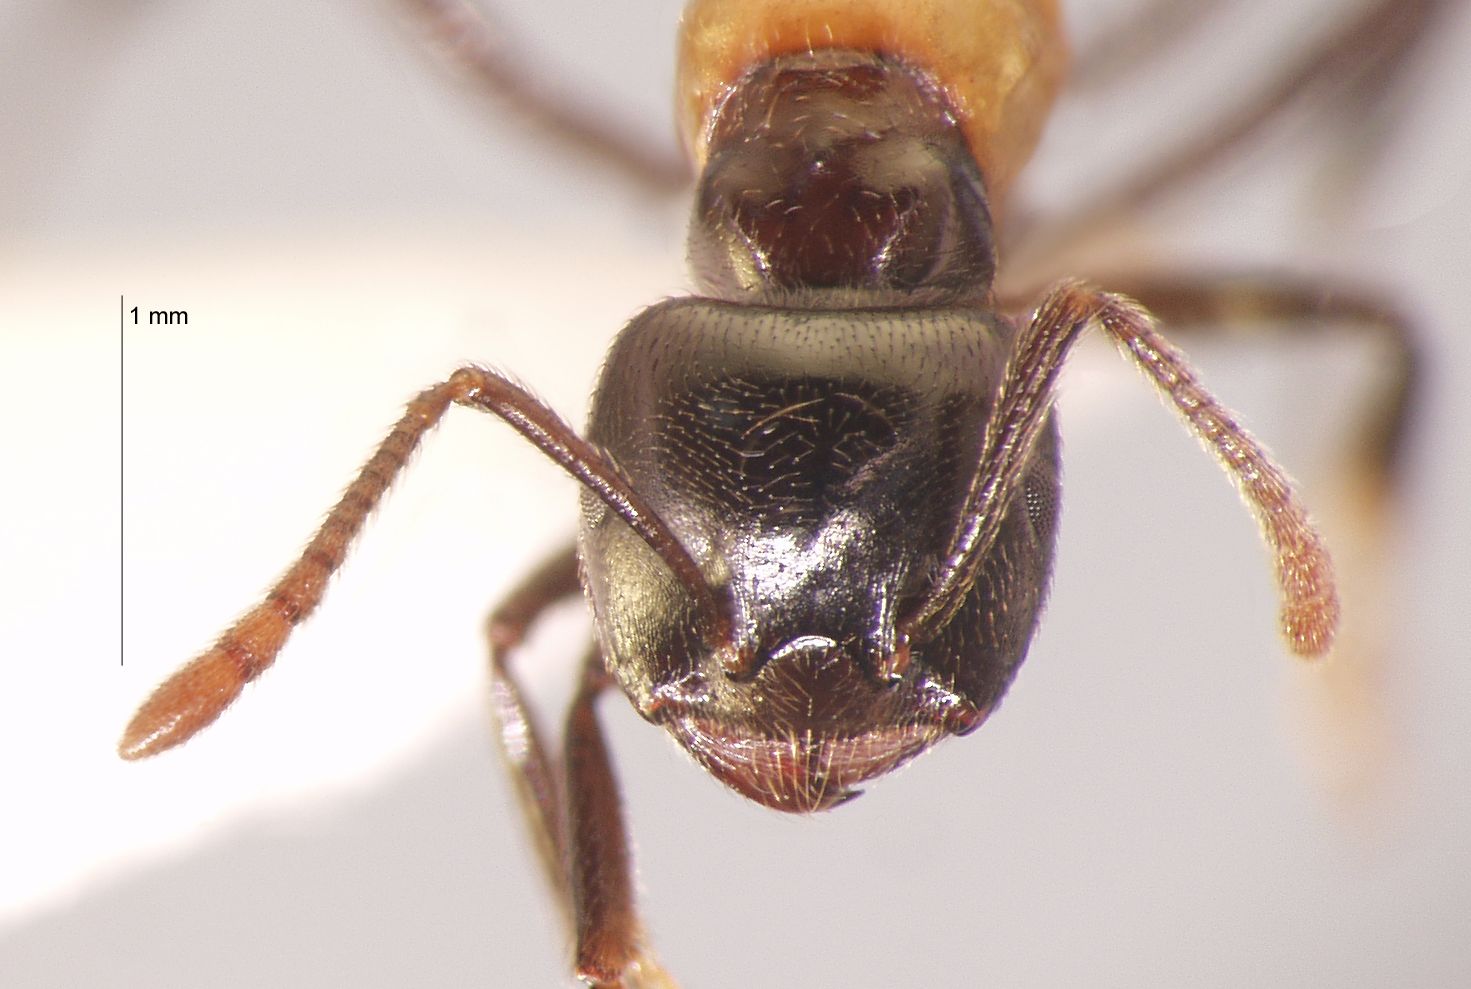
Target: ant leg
x,y
1024,402
198,693
1121,46
610,939
470,43
538,783
573,808
1355,63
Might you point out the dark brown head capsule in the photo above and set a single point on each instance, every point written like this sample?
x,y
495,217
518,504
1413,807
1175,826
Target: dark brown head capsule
x,y
810,433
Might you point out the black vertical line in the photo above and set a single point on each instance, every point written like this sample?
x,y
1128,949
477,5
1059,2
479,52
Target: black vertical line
x,y
121,463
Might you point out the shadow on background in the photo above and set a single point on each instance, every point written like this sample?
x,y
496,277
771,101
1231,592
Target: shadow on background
x,y
391,886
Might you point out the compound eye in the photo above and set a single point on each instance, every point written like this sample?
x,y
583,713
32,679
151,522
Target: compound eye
x,y
1040,496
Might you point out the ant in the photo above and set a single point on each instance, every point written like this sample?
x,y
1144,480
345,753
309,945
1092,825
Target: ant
x,y
820,499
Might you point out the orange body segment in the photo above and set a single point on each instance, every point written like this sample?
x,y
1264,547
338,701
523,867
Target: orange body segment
x,y
999,62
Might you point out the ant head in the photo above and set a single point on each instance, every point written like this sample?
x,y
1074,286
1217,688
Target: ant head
x,y
816,484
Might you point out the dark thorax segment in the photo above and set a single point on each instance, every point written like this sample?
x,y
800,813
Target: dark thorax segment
x,y
814,465
840,179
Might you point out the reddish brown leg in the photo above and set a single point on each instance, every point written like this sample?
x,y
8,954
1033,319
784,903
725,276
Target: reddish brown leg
x,y
1354,63
466,38
1304,573
609,936
537,779
197,694
573,809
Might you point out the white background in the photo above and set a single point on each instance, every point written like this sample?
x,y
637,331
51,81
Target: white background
x,y
343,227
